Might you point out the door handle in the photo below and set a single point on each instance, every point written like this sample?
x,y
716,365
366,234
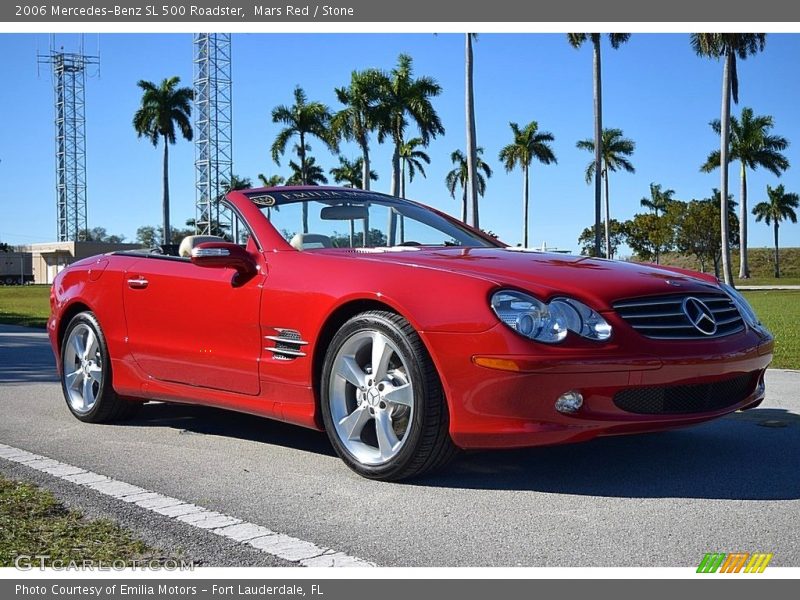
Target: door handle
x,y
138,283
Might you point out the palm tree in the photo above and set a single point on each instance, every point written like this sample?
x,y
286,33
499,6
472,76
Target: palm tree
x,y
728,46
780,207
459,176
314,175
271,181
302,119
411,160
658,202
615,150
472,147
402,96
357,119
659,199
165,108
529,143
235,183
576,40
351,172
753,146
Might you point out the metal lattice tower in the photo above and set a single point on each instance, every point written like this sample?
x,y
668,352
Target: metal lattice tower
x,y
69,78
212,129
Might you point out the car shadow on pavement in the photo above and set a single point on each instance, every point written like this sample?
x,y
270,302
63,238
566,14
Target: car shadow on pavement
x,y
751,455
25,356
204,420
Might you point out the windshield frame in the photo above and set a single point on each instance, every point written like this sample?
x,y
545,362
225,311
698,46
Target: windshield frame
x,y
264,199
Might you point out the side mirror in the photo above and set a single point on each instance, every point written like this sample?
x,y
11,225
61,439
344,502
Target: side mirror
x,y
220,255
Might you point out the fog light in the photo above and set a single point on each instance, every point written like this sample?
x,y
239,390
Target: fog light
x,y
569,402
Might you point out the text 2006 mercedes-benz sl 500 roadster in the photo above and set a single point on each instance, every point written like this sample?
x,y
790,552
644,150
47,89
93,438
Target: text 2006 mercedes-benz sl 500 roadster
x,y
401,332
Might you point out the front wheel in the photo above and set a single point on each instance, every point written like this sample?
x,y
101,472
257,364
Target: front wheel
x,y
382,402
86,374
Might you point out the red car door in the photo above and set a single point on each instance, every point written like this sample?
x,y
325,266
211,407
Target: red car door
x,y
188,324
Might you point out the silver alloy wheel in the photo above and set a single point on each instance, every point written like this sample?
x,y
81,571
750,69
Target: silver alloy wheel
x,y
371,397
83,368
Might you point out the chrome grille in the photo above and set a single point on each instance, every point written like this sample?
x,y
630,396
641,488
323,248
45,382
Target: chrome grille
x,y
663,317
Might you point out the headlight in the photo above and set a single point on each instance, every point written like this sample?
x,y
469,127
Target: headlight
x,y
548,322
583,320
747,312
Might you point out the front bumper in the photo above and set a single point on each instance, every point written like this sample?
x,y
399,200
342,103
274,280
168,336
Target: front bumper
x,y
512,403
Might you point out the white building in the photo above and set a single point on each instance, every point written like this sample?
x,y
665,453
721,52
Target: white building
x,y
48,259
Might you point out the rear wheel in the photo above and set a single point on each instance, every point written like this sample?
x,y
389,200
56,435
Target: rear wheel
x,y
86,374
382,402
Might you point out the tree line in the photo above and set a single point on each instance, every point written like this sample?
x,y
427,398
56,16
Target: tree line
x,y
397,107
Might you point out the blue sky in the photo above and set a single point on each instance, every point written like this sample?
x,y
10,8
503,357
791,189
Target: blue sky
x,y
655,89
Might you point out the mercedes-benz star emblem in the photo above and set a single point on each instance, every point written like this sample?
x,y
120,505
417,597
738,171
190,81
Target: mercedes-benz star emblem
x,y
700,316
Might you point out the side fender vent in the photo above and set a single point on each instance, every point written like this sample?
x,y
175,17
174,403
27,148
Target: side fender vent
x,y
286,344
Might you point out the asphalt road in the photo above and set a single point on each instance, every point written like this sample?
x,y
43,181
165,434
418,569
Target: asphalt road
x,y
651,500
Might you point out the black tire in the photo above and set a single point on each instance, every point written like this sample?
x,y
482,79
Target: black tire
x,y
107,405
426,443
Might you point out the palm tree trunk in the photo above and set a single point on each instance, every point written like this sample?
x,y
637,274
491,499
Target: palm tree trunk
x,y
165,201
525,207
464,205
365,170
396,170
302,152
608,219
472,152
724,142
390,238
402,195
744,267
403,178
598,142
777,253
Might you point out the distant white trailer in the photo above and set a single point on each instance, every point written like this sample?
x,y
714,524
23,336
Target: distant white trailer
x,y
16,268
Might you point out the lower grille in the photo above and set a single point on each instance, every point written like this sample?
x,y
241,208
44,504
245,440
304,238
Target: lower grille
x,y
686,399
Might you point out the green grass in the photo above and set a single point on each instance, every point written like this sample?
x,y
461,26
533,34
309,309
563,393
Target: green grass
x,y
779,310
34,523
762,265
25,305
767,281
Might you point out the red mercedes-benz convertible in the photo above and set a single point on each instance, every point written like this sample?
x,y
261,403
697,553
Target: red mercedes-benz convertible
x,y
401,332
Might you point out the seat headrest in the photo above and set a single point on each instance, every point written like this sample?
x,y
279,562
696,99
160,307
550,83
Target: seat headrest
x,y
305,241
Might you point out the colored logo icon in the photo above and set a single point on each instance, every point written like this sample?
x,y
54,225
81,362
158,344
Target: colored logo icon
x,y
736,562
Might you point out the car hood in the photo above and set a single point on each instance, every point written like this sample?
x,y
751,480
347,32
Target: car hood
x,y
598,281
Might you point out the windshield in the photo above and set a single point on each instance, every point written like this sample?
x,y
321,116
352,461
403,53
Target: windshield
x,y
341,221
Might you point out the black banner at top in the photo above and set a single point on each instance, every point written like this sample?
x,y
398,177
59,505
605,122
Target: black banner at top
x,y
356,11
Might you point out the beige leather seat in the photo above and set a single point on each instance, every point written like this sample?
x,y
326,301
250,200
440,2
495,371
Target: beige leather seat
x,y
307,241
190,241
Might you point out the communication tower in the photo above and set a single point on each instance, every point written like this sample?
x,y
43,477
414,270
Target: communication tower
x,y
69,81
213,131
